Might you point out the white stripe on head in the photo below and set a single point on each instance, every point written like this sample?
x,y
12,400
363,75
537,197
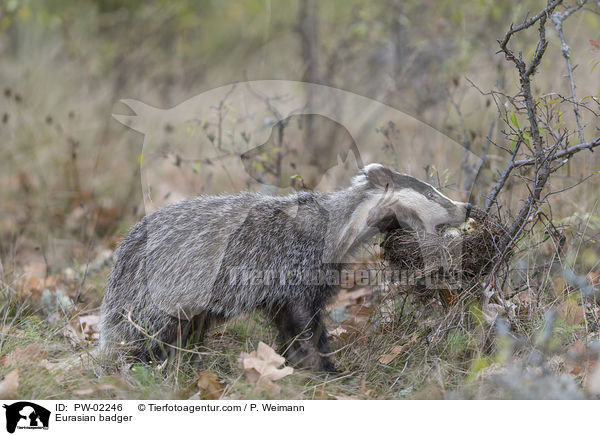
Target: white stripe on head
x,y
437,191
429,212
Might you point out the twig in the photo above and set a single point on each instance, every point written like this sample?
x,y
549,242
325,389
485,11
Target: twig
x,y
565,153
484,153
503,178
144,332
513,164
541,158
558,18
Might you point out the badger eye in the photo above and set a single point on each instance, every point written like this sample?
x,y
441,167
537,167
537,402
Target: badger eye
x,y
429,194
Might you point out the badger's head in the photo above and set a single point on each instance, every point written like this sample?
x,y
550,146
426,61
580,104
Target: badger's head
x,y
404,201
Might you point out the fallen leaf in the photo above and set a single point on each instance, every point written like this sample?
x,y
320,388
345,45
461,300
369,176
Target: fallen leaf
x,y
34,280
360,312
262,367
593,278
579,360
23,355
396,350
84,392
450,297
210,387
366,391
9,385
342,397
571,312
88,325
353,331
578,348
92,390
35,269
339,332
83,328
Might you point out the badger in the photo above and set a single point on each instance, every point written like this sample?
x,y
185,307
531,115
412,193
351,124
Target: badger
x,y
186,267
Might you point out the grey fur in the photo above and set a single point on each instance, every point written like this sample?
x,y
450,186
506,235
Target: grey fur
x,y
181,269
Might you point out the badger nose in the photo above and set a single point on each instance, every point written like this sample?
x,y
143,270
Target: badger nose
x,y
468,208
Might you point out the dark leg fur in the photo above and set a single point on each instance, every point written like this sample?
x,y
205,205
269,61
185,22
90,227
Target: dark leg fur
x,y
320,332
193,332
303,338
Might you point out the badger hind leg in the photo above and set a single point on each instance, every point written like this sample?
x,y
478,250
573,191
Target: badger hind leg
x,y
191,333
126,338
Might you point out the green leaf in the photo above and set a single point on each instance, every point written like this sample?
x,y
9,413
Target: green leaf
x,y
513,144
513,120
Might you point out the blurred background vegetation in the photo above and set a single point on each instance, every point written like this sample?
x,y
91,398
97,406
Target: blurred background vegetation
x,y
69,173
65,65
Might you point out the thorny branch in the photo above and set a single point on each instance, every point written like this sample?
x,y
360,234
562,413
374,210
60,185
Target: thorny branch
x,y
512,164
541,160
563,154
531,149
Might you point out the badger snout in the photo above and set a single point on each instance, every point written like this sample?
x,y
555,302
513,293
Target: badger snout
x,y
468,208
458,214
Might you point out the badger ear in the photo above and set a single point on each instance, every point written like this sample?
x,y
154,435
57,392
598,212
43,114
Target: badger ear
x,y
378,175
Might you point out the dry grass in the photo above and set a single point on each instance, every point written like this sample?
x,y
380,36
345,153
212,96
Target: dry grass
x,y
449,348
70,189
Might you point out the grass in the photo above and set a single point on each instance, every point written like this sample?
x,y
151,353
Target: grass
x,y
448,351
70,188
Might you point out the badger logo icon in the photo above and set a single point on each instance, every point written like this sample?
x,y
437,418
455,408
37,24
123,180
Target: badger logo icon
x,y
26,415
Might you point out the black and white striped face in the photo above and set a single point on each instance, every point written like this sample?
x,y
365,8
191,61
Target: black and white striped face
x,y
412,202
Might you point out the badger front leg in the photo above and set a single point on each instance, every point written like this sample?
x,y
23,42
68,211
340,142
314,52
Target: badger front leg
x,y
303,337
320,332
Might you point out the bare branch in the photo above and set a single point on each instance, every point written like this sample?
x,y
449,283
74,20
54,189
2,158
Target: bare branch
x,y
563,154
528,23
503,177
471,179
541,156
558,18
